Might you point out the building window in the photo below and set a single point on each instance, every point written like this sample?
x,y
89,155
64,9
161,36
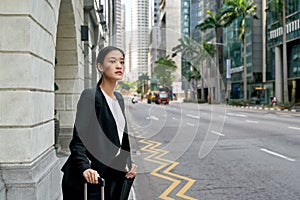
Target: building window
x,y
294,62
199,13
270,71
186,30
292,6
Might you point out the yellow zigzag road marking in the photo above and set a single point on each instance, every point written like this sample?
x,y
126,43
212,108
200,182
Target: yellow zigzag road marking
x,y
156,157
189,184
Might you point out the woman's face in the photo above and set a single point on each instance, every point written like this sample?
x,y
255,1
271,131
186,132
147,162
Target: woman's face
x,y
113,65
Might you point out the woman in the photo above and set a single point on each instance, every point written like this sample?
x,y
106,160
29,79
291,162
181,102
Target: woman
x,y
100,145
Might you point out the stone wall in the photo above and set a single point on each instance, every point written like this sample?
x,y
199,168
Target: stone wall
x,y
69,70
31,37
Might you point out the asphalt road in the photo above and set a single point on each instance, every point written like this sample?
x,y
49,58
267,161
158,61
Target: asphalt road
x,y
199,151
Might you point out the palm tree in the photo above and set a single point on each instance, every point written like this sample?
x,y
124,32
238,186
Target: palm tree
x,y
192,52
185,47
210,50
216,22
163,71
242,10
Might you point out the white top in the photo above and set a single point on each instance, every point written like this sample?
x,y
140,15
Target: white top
x,y
118,115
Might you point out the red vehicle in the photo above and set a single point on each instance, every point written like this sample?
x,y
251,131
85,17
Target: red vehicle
x,y
161,98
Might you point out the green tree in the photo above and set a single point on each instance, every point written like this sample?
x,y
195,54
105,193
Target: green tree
x,y
209,48
185,47
240,10
216,22
192,52
163,70
142,79
124,85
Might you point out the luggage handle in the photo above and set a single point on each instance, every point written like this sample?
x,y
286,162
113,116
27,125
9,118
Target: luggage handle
x,y
101,181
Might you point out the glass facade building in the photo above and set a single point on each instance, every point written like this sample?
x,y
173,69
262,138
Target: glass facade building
x,y
234,51
185,31
139,38
274,62
196,17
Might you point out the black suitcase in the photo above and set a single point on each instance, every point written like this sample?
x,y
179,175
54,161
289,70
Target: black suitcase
x,y
101,182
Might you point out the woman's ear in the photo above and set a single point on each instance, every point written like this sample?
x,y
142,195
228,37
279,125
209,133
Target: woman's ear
x,y
100,68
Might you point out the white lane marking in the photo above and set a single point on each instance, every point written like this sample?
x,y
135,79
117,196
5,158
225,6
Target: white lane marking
x,y
173,118
292,127
278,155
237,115
152,117
190,124
193,116
254,122
217,133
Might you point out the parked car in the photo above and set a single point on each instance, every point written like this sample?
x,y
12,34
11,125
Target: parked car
x,y
162,98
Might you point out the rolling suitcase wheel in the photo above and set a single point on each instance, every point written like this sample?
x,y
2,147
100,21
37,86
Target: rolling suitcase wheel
x,y
101,182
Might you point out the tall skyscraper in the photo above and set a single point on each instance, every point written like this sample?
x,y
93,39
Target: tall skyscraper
x,y
118,28
154,35
155,12
196,16
139,42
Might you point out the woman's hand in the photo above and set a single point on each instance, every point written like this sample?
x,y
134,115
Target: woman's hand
x,y
91,176
132,172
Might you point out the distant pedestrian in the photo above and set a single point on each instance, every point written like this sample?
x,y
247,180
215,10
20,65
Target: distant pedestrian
x,y
274,101
208,99
100,144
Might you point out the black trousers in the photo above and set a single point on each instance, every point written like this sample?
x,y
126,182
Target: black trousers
x,y
114,180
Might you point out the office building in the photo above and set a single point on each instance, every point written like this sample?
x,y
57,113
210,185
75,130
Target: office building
x,y
282,77
139,38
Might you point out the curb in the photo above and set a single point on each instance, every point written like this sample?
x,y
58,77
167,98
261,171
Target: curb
x,y
265,109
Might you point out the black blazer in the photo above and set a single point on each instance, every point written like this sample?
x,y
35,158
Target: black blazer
x,y
95,141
